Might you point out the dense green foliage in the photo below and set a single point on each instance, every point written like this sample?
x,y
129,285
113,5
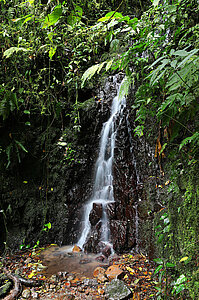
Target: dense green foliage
x,y
53,50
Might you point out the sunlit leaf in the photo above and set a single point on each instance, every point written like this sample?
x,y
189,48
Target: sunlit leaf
x,y
52,18
170,265
157,269
155,2
158,261
27,112
124,87
184,259
52,51
21,146
13,50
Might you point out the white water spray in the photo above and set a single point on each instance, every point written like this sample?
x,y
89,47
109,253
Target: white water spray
x,y
103,183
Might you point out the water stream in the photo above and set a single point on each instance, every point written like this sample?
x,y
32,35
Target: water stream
x,y
103,181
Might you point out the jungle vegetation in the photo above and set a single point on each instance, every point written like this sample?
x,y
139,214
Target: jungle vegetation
x,y
52,50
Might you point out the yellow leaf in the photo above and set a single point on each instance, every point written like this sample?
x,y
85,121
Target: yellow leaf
x,y
140,268
184,258
126,276
130,270
168,181
31,274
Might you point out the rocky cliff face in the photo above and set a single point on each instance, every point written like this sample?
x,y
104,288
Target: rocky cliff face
x,y
54,186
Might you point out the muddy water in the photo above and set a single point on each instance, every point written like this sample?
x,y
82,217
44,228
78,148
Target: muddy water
x,y
64,260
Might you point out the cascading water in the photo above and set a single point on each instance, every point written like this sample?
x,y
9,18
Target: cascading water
x,y
103,183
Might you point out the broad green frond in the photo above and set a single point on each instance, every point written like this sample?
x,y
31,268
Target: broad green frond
x,y
12,50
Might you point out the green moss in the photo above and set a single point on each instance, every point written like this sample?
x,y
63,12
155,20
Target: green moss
x,y
183,212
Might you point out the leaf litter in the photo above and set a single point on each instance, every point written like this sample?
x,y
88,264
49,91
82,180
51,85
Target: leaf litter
x,y
137,276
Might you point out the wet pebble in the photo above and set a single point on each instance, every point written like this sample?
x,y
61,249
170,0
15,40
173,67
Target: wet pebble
x,y
26,294
34,294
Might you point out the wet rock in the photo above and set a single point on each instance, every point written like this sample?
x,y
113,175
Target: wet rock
x,y
114,272
26,294
102,278
111,210
77,249
85,261
95,214
106,251
119,234
117,290
101,258
92,244
98,271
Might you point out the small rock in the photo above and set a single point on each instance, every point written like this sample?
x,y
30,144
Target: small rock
x,y
26,293
62,274
101,291
34,295
77,249
114,272
117,290
101,258
106,251
28,260
98,271
71,277
80,289
52,286
90,282
53,278
102,278
85,261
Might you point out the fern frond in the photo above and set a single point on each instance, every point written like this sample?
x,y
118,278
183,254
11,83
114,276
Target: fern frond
x,y
124,88
12,50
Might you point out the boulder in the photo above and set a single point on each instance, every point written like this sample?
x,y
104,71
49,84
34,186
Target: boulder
x,y
98,271
117,290
114,272
95,214
106,251
77,249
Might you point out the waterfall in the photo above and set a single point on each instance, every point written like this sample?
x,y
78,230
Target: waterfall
x,y
103,182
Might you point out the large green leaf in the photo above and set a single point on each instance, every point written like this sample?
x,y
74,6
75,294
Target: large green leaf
x,y
88,74
124,88
111,15
52,18
191,53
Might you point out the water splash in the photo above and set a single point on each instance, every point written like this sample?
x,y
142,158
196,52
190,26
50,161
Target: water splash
x,y
103,183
